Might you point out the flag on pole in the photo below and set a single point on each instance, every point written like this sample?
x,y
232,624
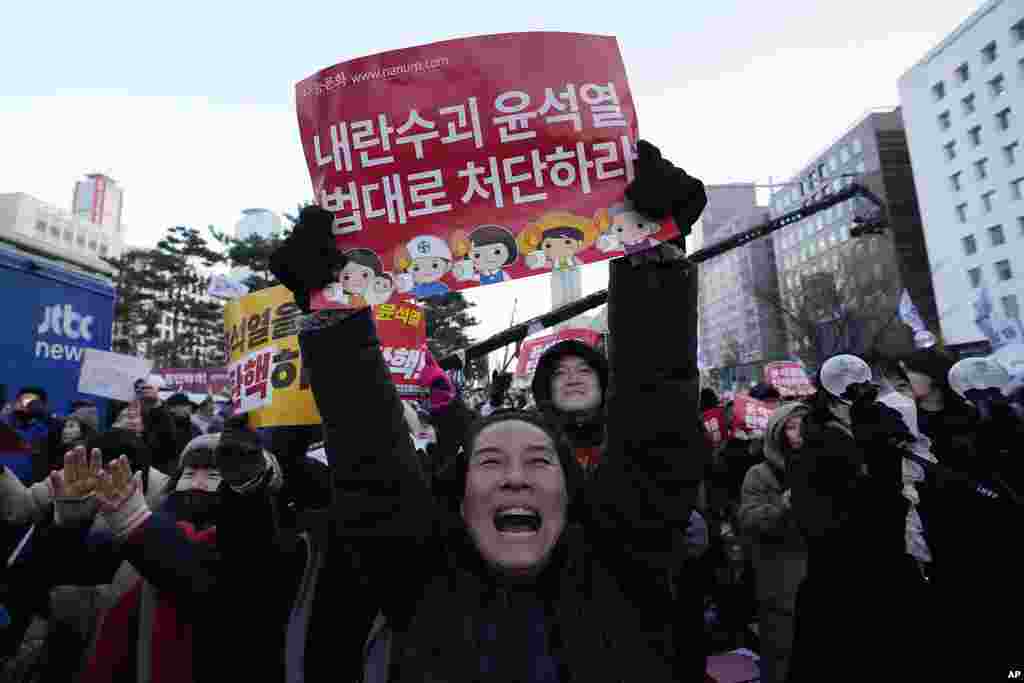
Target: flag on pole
x,y
909,314
1000,329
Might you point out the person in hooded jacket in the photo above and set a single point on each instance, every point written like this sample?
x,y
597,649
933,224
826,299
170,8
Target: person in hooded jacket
x,y
541,576
569,386
777,548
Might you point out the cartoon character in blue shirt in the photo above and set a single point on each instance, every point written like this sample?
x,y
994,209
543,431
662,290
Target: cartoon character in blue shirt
x,y
423,263
484,254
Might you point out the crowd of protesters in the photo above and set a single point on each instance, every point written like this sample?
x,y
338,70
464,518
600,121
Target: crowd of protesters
x,y
588,529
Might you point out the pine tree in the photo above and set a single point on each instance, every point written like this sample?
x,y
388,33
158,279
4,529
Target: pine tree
x,y
195,320
135,314
252,254
448,318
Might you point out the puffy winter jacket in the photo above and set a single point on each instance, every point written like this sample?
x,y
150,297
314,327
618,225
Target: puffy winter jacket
x,y
601,610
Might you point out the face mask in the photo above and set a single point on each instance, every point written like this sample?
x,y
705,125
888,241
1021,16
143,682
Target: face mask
x,y
198,507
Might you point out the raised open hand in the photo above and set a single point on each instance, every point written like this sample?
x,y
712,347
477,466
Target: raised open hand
x,y
80,475
116,484
74,486
120,497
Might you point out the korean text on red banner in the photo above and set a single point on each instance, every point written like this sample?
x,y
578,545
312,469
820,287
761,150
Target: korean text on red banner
x,y
715,426
532,350
471,162
402,329
789,377
750,417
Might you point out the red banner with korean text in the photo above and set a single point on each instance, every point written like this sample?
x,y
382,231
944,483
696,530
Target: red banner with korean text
x,y
265,372
750,417
715,426
402,329
471,162
195,380
789,377
532,350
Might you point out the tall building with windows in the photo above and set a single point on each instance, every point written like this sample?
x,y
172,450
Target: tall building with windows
x,y
828,280
962,105
99,200
50,231
739,326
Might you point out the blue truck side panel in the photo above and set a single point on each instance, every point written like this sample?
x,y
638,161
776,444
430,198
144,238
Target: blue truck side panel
x,y
52,316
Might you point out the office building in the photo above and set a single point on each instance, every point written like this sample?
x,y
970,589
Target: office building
x,y
739,325
50,231
99,200
962,104
841,294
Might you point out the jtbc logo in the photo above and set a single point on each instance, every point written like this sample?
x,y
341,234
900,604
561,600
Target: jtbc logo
x,y
63,321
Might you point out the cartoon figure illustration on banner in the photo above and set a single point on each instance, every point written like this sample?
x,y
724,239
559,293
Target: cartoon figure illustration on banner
x,y
421,265
484,253
382,289
554,239
362,282
628,231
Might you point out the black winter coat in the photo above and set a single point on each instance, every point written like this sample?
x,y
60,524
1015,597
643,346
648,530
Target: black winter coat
x,y
605,598
861,587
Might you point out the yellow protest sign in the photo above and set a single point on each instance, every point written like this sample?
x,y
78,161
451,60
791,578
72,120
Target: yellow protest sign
x,y
264,364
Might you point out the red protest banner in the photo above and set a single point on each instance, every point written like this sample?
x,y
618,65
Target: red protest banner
x,y
402,329
789,378
473,161
532,350
195,380
750,416
715,426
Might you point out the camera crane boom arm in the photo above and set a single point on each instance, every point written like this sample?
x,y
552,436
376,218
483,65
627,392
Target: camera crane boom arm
x,y
875,223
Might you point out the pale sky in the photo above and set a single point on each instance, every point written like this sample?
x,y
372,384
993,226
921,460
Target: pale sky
x,y
189,105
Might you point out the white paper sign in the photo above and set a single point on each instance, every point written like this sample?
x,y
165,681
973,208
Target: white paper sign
x,y
112,375
251,385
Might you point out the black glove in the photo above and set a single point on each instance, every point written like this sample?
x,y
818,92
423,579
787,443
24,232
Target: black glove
x,y
876,424
661,190
308,260
879,430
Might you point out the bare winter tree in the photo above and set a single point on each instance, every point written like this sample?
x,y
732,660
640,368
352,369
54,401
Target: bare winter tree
x,y
847,301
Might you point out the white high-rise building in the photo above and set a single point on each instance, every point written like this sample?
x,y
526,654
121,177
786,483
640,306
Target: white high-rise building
x,y
255,223
261,222
963,106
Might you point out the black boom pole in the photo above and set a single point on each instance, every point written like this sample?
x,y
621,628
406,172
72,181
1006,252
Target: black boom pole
x,y
873,224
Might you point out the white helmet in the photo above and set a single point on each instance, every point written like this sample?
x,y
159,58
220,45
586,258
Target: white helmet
x,y
839,372
428,246
978,373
